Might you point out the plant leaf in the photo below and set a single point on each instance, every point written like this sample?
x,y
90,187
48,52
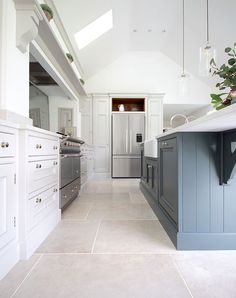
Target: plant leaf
x,y
228,49
231,61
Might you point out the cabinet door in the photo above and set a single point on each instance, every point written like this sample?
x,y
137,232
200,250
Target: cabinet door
x,y
86,121
101,121
168,197
8,203
101,159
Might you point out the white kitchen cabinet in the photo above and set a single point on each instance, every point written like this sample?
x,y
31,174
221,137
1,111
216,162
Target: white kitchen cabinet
x,y
101,131
154,119
87,163
102,159
8,198
39,187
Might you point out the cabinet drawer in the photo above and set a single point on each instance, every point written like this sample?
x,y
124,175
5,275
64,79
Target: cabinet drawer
x,y
42,173
7,145
40,206
69,192
40,146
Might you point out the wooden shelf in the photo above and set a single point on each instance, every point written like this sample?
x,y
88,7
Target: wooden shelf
x,y
130,104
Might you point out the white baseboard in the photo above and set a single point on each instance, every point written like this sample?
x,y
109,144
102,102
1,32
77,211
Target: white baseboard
x,y
38,235
8,258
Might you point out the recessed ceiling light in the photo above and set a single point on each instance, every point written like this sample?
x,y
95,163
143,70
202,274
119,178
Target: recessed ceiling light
x,y
94,30
135,30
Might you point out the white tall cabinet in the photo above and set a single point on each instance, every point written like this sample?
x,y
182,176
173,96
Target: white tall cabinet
x,y
8,198
101,133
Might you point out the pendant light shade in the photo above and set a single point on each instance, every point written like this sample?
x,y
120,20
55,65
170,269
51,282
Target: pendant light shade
x,y
183,79
207,51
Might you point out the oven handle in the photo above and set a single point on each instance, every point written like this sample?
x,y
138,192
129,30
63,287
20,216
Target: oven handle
x,y
70,155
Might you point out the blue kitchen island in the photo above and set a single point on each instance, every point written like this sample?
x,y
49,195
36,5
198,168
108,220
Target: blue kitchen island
x,y
195,199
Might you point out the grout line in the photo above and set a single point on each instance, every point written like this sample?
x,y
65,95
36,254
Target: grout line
x,y
27,275
86,217
182,277
95,238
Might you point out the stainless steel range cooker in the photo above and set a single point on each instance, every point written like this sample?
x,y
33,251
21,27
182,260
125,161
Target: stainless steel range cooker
x,y
69,169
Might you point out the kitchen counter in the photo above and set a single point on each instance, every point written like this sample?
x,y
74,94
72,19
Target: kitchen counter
x,y
222,120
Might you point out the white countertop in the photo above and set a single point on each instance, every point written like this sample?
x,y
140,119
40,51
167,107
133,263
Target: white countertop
x,y
222,120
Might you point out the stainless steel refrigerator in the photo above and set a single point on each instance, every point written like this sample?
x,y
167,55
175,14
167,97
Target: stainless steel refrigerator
x,y
127,133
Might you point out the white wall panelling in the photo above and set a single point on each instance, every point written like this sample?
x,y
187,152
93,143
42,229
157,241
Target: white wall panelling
x,y
8,199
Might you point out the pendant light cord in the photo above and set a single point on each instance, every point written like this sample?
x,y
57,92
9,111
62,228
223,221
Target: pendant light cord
x,y
184,39
207,22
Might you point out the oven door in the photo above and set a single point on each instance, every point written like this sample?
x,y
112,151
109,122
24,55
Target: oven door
x,y
69,168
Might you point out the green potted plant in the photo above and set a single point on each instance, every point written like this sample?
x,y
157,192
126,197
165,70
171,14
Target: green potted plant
x,y
47,11
70,57
227,73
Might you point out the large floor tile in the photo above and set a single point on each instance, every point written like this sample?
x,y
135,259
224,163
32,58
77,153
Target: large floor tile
x,y
121,211
13,279
104,276
77,210
70,237
105,198
132,236
137,198
209,274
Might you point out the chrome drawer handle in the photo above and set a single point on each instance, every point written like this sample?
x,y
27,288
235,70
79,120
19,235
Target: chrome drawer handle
x,y
39,146
38,200
4,145
55,190
38,166
72,190
65,196
55,163
55,147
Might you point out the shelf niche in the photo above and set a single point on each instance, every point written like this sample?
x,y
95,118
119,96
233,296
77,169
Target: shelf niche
x,y
130,104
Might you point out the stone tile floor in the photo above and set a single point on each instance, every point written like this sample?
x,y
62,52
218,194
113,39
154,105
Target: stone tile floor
x,y
110,244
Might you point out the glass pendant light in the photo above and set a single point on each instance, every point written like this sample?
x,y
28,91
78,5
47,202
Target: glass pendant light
x,y
207,51
183,79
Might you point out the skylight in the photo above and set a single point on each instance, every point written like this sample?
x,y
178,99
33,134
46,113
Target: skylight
x,y
94,30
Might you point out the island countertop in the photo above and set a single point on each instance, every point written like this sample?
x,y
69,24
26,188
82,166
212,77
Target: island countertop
x,y
222,120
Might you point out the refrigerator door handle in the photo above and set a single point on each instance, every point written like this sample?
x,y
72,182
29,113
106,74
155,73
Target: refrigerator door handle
x,y
126,141
130,142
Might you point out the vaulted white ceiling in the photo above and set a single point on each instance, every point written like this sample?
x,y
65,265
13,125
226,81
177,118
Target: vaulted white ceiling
x,y
158,26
